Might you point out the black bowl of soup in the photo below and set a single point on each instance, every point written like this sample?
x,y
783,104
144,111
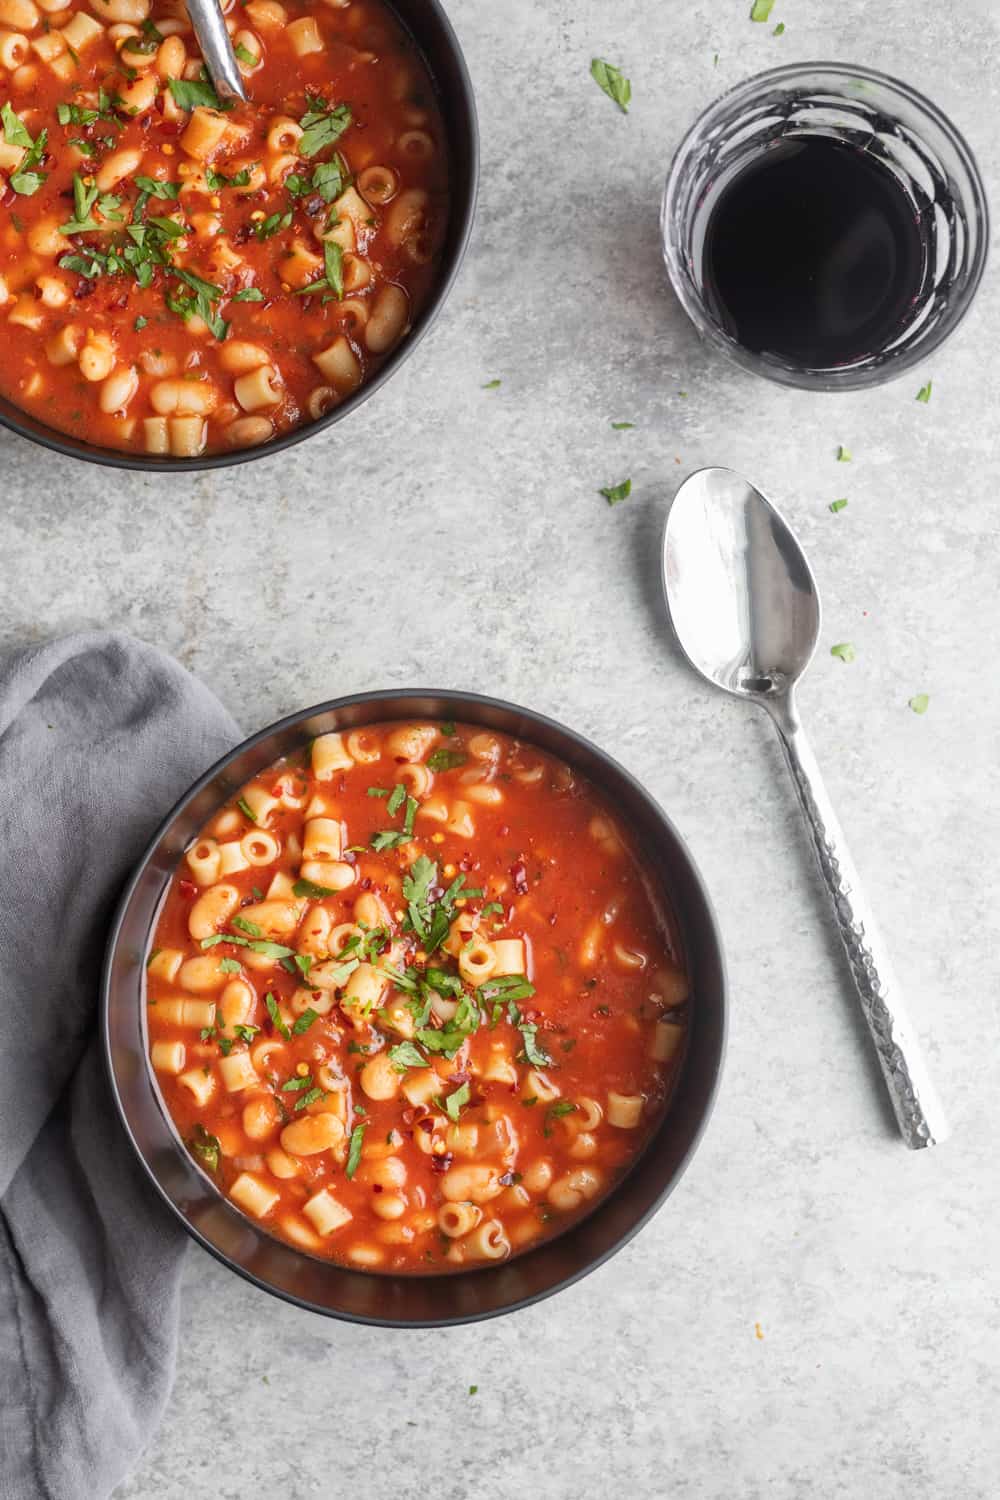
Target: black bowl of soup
x,y
414,1009
189,284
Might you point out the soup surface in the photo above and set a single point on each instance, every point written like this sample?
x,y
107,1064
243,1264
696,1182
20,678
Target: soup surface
x,y
181,276
410,1002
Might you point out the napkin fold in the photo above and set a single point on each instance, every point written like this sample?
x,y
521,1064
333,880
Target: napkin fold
x,y
99,734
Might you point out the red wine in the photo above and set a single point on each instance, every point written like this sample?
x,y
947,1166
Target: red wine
x,y
814,252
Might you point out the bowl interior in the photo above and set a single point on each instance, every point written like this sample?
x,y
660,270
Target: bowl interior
x,y
432,32
377,1297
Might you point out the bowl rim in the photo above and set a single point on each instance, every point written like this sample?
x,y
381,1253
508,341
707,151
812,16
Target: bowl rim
x,y
458,698
35,431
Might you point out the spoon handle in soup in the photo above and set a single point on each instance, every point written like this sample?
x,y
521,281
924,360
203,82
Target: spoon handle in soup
x,y
917,1108
216,48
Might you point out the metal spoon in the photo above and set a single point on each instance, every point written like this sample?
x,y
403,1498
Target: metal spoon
x,y
744,604
216,48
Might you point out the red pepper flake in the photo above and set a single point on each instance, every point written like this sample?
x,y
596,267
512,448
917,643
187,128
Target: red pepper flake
x,y
441,1163
186,887
376,1187
519,875
425,1125
366,884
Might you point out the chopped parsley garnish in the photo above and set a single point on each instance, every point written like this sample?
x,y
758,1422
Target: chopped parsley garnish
x,y
443,983
406,1055
924,393
388,839
303,962
555,1112
779,30
246,1033
229,966
431,920
454,1102
838,505
492,385
206,1148
622,426
217,182
304,1021
190,92
378,791
534,1054
844,650
343,972
272,225
332,279
245,55
140,323
309,888
920,703
76,114
250,928
249,294
293,1085
196,302
761,10
506,988
322,127
275,1014
843,455
614,494
157,189
312,1097
354,1153
84,198
446,760
24,179
269,950
448,729
246,809
329,179
473,1389
613,82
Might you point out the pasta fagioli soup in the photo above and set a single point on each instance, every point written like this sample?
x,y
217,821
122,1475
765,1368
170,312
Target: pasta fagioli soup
x,y
410,1001
179,275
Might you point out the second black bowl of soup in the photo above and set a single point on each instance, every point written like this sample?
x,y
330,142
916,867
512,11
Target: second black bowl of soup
x,y
415,1008
188,283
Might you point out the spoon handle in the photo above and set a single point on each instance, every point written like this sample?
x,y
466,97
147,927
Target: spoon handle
x,y
210,28
917,1108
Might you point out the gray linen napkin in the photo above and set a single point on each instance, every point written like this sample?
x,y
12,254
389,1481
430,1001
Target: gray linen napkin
x,y
99,734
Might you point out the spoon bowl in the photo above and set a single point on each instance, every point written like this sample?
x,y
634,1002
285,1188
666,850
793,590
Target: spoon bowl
x,y
742,598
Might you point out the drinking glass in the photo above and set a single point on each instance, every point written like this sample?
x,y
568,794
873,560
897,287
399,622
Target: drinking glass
x,y
864,109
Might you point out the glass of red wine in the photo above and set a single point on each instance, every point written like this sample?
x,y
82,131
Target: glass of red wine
x,y
824,225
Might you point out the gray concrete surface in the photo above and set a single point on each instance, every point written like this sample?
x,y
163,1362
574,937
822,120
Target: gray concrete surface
x,y
815,1312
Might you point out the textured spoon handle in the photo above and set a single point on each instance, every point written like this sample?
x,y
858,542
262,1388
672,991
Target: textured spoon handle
x,y
918,1110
